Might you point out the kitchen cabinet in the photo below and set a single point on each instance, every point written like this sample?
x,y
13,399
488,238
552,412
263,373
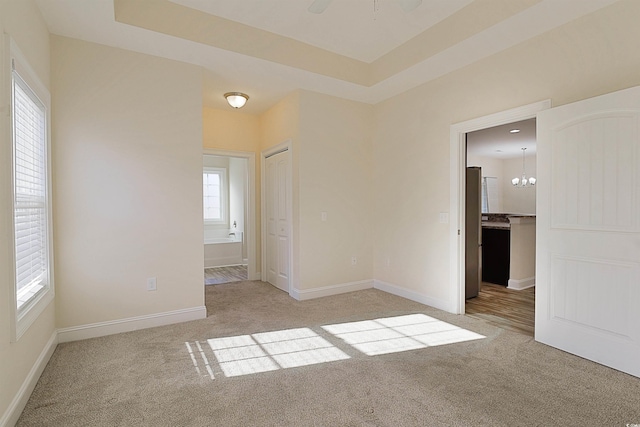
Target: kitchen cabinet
x,y
496,249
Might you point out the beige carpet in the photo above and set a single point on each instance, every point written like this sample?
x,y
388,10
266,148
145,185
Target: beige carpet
x,y
149,377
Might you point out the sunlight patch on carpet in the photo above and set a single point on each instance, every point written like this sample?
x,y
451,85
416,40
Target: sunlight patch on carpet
x,y
269,351
290,348
400,333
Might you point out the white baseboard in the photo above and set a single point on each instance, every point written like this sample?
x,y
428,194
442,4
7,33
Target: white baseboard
x,y
325,291
94,330
11,415
413,296
521,284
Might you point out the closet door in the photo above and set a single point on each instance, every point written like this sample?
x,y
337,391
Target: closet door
x,y
278,222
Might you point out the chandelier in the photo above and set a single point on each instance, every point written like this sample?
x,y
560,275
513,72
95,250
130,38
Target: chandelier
x,y
523,181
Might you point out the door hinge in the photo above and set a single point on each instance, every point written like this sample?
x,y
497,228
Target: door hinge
x,y
458,232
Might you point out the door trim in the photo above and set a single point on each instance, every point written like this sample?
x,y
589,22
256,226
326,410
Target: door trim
x,y
287,147
457,193
252,267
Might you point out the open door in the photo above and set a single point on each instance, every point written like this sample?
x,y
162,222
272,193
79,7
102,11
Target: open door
x,y
588,229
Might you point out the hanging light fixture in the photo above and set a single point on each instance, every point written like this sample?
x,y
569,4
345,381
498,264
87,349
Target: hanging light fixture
x,y
236,99
523,181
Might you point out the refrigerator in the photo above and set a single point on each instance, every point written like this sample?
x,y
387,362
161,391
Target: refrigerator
x,y
473,231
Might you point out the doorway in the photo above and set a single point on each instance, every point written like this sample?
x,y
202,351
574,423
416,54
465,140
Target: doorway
x,y
229,216
458,190
500,225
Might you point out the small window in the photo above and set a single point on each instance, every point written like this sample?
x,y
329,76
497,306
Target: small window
x,y
31,194
491,198
485,196
214,195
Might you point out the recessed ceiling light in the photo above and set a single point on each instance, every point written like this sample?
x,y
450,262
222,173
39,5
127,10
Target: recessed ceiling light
x,y
514,130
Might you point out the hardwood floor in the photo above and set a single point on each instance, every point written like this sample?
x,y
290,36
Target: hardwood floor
x,y
219,275
505,308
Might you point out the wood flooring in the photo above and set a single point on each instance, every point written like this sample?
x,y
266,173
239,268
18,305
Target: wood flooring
x,y
219,275
505,308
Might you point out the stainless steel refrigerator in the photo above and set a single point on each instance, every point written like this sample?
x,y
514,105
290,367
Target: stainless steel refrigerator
x,y
473,231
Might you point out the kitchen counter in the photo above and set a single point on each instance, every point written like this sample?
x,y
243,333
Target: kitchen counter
x,y
502,220
494,225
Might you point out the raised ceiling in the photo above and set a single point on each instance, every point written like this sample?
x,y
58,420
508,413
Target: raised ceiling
x,y
353,28
268,48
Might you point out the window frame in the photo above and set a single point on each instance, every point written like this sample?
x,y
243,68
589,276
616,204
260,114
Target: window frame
x,y
23,316
224,196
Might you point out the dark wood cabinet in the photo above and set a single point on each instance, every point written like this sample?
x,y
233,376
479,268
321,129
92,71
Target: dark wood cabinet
x,y
495,255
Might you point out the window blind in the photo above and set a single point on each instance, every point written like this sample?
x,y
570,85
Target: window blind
x,y
212,188
30,186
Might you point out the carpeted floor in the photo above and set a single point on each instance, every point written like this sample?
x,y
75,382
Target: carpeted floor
x,y
163,376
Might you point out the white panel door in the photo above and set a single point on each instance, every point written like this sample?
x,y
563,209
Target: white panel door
x,y
278,221
270,207
588,229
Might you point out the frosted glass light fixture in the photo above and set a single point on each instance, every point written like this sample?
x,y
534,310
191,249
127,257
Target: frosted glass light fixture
x,y
523,181
236,99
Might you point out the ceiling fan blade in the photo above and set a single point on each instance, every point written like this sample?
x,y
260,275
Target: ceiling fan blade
x,y
409,5
318,6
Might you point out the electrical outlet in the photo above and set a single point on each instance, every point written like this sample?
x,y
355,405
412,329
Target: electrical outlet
x,y
444,217
354,260
323,216
151,284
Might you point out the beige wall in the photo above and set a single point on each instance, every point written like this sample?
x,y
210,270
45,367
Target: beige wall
x,y
127,132
590,56
230,130
23,22
281,122
335,177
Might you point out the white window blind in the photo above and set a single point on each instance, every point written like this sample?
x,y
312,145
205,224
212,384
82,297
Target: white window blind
x,y
30,190
213,195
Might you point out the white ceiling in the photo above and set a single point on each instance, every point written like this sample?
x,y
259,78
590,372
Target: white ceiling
x,y
347,28
498,142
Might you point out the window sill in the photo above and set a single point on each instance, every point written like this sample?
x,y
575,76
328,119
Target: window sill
x,y
31,303
27,293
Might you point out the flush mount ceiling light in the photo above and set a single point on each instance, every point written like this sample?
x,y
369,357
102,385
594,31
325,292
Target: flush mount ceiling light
x,y
523,181
514,131
236,99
